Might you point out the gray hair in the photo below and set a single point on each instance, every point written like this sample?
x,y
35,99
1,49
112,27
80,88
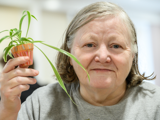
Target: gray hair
x,y
97,10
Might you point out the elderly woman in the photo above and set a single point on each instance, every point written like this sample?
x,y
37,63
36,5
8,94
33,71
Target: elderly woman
x,y
103,39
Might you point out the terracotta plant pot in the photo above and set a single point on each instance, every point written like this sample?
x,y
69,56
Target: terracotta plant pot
x,y
24,50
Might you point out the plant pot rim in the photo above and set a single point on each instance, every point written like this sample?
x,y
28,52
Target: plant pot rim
x,y
22,47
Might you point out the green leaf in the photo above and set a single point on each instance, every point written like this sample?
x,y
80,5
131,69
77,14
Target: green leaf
x,y
10,33
15,29
5,37
30,38
4,58
10,54
4,31
23,12
20,24
6,52
29,20
21,21
24,40
13,41
27,40
34,17
69,55
16,33
37,41
57,75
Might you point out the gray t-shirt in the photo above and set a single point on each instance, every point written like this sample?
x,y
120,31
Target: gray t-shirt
x,y
52,103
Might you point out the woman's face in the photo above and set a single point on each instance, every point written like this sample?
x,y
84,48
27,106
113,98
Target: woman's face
x,y
103,47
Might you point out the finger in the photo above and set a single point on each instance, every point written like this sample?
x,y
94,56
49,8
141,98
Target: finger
x,y
20,81
10,65
15,92
23,72
19,95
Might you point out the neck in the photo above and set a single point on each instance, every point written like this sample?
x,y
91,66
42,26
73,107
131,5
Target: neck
x,y
103,97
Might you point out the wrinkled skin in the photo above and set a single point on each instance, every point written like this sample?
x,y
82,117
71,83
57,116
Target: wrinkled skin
x,y
103,47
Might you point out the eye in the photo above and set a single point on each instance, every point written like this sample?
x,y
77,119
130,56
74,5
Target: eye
x,y
116,46
90,45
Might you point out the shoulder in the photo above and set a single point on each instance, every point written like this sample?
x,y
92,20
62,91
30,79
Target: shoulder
x,y
149,85
47,96
48,102
147,92
152,88
51,90
142,102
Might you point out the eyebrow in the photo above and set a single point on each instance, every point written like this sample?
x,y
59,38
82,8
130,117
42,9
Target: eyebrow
x,y
90,36
114,38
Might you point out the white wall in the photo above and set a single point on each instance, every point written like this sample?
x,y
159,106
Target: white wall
x,y
9,18
147,42
52,28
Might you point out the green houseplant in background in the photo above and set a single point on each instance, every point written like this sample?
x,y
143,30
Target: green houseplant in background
x,y
23,46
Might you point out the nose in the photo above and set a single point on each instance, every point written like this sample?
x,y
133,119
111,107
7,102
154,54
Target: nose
x,y
102,55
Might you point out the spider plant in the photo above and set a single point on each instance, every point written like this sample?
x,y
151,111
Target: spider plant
x,y
17,39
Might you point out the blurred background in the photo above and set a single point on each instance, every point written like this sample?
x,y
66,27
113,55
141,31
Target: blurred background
x,y
54,16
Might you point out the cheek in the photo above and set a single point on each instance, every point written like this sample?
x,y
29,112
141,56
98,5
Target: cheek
x,y
83,57
123,64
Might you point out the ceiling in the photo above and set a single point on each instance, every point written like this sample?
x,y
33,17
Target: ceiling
x,y
75,5
145,10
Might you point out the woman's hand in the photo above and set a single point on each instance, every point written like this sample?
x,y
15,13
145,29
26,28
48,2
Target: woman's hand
x,y
12,83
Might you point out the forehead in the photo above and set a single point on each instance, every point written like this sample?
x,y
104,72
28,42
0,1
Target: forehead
x,y
104,25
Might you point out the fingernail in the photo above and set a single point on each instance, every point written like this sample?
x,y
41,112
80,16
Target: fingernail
x,y
36,72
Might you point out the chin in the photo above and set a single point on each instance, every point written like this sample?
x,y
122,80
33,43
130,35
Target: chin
x,y
101,83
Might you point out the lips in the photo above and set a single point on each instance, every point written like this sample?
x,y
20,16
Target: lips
x,y
101,70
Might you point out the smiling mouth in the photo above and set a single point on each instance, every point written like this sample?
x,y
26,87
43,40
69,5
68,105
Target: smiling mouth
x,y
102,70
